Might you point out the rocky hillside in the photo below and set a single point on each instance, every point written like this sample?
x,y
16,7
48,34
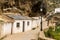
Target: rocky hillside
x,y
52,4
26,5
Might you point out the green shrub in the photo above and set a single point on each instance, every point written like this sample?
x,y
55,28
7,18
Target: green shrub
x,y
53,34
57,28
48,33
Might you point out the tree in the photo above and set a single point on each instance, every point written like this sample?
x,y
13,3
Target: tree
x,y
36,8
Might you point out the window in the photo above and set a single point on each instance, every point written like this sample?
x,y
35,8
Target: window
x,y
28,23
18,25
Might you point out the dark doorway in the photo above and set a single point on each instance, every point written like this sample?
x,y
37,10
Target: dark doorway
x,y
23,26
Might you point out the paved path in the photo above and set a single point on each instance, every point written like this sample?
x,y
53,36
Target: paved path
x,y
29,35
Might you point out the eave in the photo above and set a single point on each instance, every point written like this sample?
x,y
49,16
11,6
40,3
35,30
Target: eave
x,y
6,18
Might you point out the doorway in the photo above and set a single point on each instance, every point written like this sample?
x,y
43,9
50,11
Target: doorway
x,y
23,26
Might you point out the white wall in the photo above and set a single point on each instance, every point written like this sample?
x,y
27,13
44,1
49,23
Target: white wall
x,y
28,27
57,10
32,24
6,29
20,29
36,23
15,29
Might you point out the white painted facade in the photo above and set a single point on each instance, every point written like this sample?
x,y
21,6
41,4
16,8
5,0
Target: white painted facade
x,y
10,27
32,24
57,10
20,29
6,28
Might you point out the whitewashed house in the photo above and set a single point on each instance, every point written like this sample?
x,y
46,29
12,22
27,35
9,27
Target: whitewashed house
x,y
22,23
19,24
57,10
4,21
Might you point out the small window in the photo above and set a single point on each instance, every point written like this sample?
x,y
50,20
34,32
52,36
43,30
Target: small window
x,y
28,23
18,25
